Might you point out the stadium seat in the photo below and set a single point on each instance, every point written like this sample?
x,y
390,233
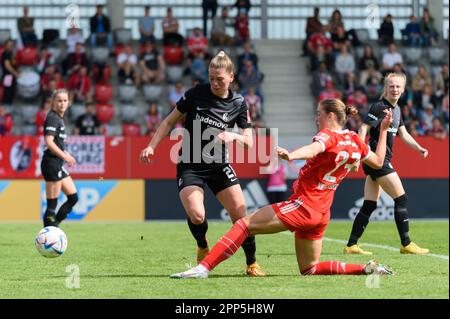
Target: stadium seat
x,y
76,110
173,54
26,56
129,113
5,34
127,93
103,93
111,130
28,113
131,129
100,55
435,70
152,92
50,37
122,36
104,113
412,55
118,49
363,35
28,129
436,55
174,73
411,70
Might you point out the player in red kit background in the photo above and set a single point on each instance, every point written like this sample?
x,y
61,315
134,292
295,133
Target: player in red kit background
x,y
307,212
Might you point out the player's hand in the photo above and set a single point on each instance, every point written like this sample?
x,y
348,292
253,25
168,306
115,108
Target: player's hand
x,y
387,120
69,159
282,153
226,137
146,153
423,152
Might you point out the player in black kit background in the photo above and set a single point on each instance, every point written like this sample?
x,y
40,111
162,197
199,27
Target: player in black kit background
x,y
210,109
52,166
386,178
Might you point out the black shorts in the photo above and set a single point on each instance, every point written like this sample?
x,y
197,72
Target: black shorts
x,y
217,178
376,173
52,169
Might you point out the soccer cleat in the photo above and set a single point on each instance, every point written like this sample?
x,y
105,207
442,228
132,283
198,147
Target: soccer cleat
x,y
355,249
50,220
196,272
202,253
373,267
412,248
255,270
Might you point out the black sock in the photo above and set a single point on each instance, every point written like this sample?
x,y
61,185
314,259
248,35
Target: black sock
x,y
66,208
401,219
199,232
50,216
249,246
361,221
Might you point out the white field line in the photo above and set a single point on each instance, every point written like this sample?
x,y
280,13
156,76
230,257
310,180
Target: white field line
x,y
445,257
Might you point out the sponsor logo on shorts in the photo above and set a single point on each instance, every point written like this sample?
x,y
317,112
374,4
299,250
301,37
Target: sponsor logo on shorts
x,y
180,182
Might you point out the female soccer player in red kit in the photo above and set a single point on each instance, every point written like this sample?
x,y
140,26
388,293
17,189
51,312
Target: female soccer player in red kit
x,y
307,212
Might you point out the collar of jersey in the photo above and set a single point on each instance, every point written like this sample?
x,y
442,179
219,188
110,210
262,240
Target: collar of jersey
x,y
389,103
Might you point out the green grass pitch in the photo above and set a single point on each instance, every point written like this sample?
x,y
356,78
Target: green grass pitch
x,y
114,262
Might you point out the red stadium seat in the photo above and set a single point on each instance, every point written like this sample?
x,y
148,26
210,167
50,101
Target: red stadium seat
x,y
118,49
173,54
103,93
27,56
104,113
131,129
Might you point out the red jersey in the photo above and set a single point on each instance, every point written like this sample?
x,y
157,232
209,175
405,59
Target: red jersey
x,y
320,176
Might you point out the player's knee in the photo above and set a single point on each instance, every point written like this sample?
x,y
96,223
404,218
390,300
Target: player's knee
x,y
401,201
197,218
72,199
368,207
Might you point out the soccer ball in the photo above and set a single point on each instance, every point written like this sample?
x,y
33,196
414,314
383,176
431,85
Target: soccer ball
x,y
51,242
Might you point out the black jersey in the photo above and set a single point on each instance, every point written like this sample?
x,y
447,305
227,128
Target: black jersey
x,y
206,116
54,125
375,116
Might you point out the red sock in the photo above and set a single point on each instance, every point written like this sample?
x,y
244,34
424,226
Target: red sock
x,y
335,268
227,245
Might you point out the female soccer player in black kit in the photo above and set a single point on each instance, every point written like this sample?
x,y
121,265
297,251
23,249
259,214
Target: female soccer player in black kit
x,y
210,109
386,177
55,175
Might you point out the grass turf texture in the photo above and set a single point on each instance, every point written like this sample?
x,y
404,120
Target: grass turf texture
x,y
114,262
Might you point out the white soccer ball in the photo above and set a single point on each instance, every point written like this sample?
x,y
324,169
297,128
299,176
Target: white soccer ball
x,y
51,242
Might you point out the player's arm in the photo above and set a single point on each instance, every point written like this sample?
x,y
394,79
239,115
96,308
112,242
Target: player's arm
x,y
164,128
245,139
376,160
411,142
362,133
302,153
51,145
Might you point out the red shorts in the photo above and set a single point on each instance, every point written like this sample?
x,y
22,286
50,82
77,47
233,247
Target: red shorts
x,y
301,219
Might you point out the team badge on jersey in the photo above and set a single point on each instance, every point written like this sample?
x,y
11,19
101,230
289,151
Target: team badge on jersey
x,y
225,117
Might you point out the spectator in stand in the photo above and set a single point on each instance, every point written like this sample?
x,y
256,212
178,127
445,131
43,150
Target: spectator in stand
x,y
6,122
58,78
44,59
80,86
373,86
313,25
427,29
10,72
241,26
41,115
407,116
77,59
350,84
340,40
335,23
320,49
74,36
100,28
425,97
248,54
412,32
344,64
253,100
386,31
152,118
199,68
146,27
359,100
256,117
426,117
367,61
415,128
126,63
25,25
329,93
391,58
243,6
441,81
219,35
250,77
437,131
208,6
197,43
320,78
152,65
445,109
421,79
170,29
175,94
87,123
